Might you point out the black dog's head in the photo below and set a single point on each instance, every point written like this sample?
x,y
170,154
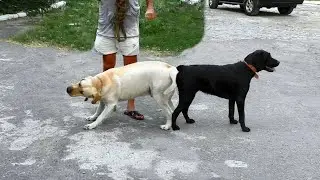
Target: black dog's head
x,y
262,60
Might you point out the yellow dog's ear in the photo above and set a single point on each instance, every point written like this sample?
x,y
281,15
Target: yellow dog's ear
x,y
96,95
96,98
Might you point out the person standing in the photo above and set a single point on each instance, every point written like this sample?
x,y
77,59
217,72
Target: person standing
x,y
118,31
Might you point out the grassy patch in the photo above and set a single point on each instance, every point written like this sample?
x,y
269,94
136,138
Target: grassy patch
x,y
178,26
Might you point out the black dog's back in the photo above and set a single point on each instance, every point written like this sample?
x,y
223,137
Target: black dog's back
x,y
222,81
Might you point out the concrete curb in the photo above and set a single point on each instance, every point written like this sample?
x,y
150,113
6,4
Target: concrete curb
x,y
5,17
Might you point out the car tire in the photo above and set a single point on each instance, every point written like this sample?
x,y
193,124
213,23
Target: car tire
x,y
251,7
213,4
242,7
285,10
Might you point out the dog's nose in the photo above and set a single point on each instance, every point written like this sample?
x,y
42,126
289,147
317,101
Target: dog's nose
x,y
69,89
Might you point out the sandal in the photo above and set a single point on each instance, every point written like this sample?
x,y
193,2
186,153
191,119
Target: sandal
x,y
134,115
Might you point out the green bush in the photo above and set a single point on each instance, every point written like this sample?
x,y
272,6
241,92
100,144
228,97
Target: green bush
x,y
31,7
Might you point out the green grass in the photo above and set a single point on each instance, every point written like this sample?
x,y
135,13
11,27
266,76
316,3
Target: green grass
x,y
178,26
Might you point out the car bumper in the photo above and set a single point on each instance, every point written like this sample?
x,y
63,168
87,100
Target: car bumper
x,y
279,3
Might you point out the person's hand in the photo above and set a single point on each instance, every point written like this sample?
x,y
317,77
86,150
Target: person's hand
x,y
150,14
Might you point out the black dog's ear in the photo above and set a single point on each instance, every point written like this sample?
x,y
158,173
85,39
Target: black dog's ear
x,y
266,56
249,58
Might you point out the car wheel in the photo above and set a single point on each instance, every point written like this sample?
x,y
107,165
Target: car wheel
x,y
213,4
285,10
251,7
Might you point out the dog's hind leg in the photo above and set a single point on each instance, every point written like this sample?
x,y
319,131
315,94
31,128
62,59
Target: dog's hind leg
x,y
185,100
171,105
163,102
186,104
105,114
186,116
175,114
97,113
231,111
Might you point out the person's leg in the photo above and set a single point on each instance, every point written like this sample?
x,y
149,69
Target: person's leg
x,y
108,61
129,60
107,47
130,49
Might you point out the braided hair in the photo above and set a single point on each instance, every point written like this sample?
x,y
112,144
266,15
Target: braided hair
x,y
121,8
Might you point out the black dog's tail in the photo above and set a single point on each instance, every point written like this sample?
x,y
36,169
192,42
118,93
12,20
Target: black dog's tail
x,y
180,68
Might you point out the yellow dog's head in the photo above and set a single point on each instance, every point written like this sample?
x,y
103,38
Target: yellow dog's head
x,y
89,87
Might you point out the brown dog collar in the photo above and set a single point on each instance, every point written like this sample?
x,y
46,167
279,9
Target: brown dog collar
x,y
253,69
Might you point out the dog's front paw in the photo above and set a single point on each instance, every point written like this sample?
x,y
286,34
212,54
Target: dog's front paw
x,y
89,126
165,127
245,129
175,127
232,121
190,121
91,118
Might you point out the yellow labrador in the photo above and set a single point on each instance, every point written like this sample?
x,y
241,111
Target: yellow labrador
x,y
154,78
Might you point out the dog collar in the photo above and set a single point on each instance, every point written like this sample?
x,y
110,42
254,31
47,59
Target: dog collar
x,y
253,69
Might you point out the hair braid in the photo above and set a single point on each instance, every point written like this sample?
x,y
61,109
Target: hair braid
x,y
121,8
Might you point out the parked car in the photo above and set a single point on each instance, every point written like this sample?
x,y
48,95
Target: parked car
x,y
252,7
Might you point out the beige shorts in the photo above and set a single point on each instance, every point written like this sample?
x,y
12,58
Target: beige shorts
x,y
105,45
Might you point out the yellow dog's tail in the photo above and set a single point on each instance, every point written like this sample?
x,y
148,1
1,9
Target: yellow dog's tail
x,y
173,74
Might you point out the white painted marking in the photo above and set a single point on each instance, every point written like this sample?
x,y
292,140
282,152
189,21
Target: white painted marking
x,y
32,131
93,150
186,136
6,60
29,113
79,104
101,173
234,163
6,126
198,107
242,139
27,162
66,118
5,108
148,117
214,175
6,87
166,168
80,114
6,118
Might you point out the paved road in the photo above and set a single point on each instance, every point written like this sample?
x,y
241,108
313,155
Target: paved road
x,y
41,135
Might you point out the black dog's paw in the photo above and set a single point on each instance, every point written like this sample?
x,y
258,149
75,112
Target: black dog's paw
x,y
190,121
232,121
245,129
175,127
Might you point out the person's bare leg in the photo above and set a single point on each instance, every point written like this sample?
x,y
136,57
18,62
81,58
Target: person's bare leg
x,y
108,61
129,60
131,106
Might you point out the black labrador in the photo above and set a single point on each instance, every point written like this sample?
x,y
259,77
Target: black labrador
x,y
231,81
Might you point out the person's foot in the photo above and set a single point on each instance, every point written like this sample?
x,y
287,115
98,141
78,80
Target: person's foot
x,y
134,115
